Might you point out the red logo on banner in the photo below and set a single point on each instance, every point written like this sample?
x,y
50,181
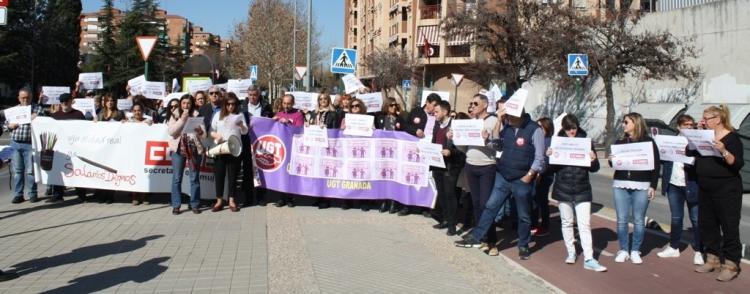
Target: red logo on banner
x,y
157,153
270,153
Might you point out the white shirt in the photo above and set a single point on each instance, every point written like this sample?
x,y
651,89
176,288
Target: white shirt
x,y
218,125
678,174
254,110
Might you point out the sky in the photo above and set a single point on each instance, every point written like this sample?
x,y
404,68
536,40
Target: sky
x,y
220,16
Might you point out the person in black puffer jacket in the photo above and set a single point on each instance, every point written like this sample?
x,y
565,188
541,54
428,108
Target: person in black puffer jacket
x,y
572,189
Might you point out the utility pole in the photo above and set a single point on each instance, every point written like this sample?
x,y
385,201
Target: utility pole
x,y
308,77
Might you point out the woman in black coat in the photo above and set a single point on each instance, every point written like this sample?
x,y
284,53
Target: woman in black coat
x,y
572,189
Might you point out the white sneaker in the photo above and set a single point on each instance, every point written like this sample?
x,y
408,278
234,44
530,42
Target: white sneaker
x,y
635,257
698,259
622,256
571,259
669,252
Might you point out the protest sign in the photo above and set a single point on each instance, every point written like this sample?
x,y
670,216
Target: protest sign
x,y
633,156
154,90
514,105
91,80
351,83
702,141
193,123
672,148
432,154
570,151
173,96
136,85
193,86
445,96
239,87
305,100
493,95
373,101
467,132
85,105
429,127
52,94
349,168
315,136
124,104
18,115
359,124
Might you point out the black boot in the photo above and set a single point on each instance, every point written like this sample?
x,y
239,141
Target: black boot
x,y
393,207
383,206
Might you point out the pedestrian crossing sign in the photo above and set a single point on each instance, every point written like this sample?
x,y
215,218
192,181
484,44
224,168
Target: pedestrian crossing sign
x,y
343,60
578,65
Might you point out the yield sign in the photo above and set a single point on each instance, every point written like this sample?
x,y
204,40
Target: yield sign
x,y
300,70
457,78
146,44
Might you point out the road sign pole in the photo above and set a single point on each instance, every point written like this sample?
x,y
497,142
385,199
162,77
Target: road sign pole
x,y
145,70
579,93
455,96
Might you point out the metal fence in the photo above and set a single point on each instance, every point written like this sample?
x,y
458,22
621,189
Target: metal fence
x,y
667,5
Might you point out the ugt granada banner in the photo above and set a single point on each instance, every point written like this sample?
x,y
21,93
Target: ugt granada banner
x,y
386,166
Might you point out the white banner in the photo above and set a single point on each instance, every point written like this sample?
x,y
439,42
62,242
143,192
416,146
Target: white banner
x,y
373,101
672,148
108,155
467,132
91,80
570,151
701,140
633,156
18,115
154,90
432,154
53,94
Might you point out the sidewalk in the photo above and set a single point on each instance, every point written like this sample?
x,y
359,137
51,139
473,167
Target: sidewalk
x,y
655,275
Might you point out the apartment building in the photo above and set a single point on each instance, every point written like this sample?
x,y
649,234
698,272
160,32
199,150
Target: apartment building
x,y
174,29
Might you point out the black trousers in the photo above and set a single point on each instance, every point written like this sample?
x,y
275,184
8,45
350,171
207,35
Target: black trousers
x,y
481,179
719,210
226,167
446,180
248,185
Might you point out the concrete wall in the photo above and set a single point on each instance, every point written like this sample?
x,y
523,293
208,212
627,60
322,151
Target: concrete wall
x,y
722,33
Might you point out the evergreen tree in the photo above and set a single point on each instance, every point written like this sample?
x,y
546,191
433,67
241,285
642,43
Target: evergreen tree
x,y
61,35
106,52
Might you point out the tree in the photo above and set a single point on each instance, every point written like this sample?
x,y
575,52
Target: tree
x,y
518,40
617,49
390,67
265,40
106,51
61,33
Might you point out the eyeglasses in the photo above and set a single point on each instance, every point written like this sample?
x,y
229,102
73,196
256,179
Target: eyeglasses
x,y
474,103
710,118
213,93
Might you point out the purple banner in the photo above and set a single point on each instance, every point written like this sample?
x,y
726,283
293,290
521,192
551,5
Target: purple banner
x,y
386,166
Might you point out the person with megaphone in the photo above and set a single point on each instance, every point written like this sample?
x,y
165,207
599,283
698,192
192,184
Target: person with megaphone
x,y
227,126
186,147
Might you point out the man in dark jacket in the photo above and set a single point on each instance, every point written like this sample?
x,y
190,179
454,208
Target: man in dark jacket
x,y
522,142
446,178
208,110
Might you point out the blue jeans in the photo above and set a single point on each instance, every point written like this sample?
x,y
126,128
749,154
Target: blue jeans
x,y
23,170
178,168
678,196
500,192
625,201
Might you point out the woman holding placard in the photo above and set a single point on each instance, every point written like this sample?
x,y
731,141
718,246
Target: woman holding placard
x,y
720,196
186,148
633,188
109,112
389,119
227,123
324,116
572,189
678,182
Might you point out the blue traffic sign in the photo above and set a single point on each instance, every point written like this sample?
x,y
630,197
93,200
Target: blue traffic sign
x,y
578,65
253,72
406,84
343,60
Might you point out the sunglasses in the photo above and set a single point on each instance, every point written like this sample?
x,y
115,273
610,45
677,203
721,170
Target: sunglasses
x,y
474,103
213,93
232,104
356,105
393,105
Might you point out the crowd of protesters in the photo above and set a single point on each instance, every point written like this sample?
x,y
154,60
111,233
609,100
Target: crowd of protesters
x,y
508,179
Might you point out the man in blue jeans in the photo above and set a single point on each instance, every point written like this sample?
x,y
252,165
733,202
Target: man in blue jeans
x,y
522,143
22,161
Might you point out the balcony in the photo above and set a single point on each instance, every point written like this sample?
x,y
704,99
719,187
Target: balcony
x,y
429,11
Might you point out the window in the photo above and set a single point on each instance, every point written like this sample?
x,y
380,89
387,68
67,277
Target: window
x,y
404,14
